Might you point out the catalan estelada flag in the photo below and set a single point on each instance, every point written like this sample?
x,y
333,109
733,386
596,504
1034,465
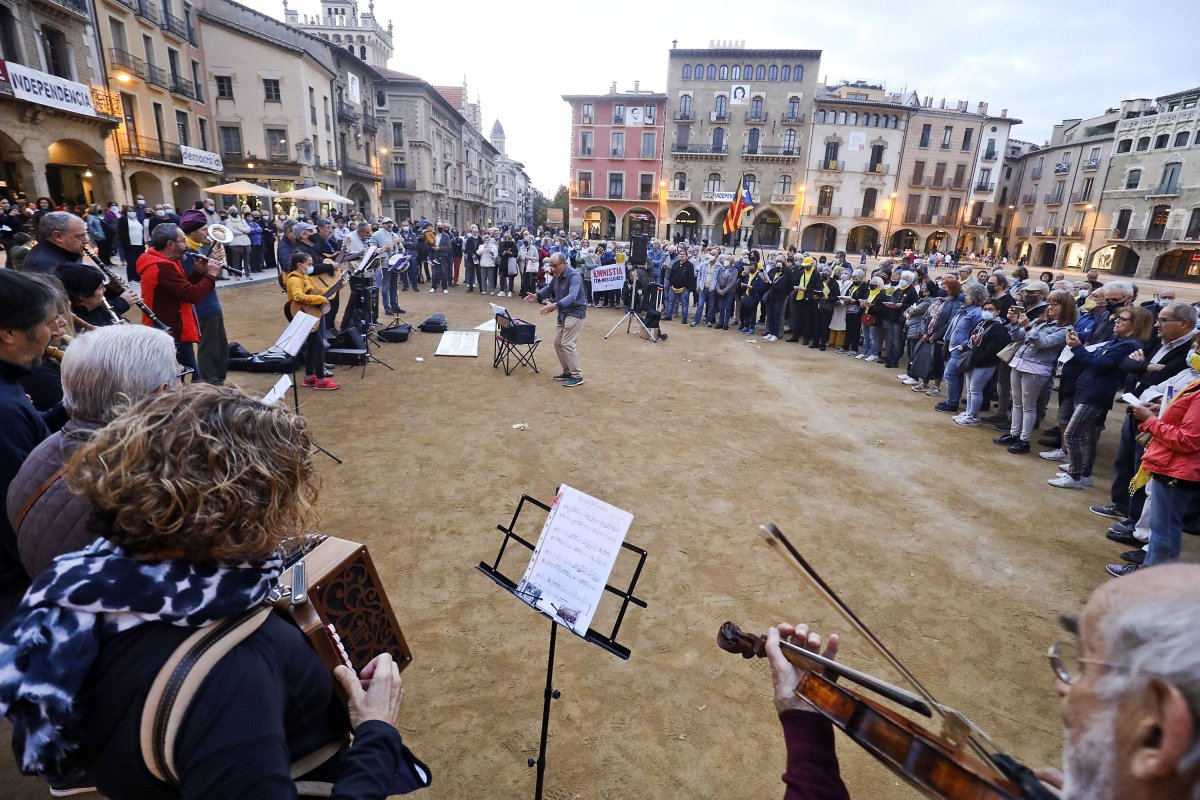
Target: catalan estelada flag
x,y
737,206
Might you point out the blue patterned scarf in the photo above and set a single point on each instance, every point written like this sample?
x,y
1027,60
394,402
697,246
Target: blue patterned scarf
x,y
83,598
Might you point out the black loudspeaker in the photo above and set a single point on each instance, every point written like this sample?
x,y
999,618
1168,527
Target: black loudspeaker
x,y
349,339
638,243
363,306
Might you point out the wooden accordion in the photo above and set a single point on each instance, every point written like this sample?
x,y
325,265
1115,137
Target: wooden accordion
x,y
346,616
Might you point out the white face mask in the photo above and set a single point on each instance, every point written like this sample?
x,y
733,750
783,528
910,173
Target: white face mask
x,y
903,284
988,315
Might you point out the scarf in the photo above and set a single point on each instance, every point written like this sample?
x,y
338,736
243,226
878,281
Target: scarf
x,y
805,280
84,598
750,280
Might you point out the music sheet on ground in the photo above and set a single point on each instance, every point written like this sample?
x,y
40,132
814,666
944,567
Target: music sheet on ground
x,y
574,555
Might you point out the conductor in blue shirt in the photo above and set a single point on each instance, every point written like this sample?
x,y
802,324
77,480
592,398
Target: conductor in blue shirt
x,y
564,294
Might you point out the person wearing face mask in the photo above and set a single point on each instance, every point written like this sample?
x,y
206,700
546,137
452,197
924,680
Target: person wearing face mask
x,y
903,295
827,300
528,260
803,311
706,291
750,289
488,255
210,213
837,325
853,297
779,286
979,358
872,326
132,235
724,292
158,217
238,250
1032,365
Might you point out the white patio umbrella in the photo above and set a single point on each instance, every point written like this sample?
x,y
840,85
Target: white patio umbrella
x,y
241,188
317,194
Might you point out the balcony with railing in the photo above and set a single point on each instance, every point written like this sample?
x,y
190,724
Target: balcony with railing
x,y
122,59
792,118
1080,197
409,185
990,155
1036,173
1154,235
183,87
869,213
1028,199
983,186
358,170
931,219
130,146
918,181
174,25
700,149
1062,168
1091,165
346,112
679,194
649,197
683,115
77,6
1072,233
370,123
157,76
1053,199
830,165
1118,234
756,116
718,116
147,12
1164,190
876,169
911,219
772,151
824,211
1022,232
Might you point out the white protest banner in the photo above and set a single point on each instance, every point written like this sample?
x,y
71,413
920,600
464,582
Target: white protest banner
x,y
194,157
574,555
606,279
45,89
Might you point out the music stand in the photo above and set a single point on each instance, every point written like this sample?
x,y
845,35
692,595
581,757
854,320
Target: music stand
x,y
290,342
608,643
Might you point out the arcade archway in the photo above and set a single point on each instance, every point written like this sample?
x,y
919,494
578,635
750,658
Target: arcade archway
x,y
1117,259
820,237
638,220
1179,265
1046,253
1073,259
185,193
76,173
936,242
904,239
686,225
148,185
767,228
862,237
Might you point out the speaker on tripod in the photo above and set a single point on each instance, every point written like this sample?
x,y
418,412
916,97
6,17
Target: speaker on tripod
x,y
638,244
362,310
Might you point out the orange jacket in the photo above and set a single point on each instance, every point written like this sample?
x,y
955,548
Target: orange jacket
x,y
1174,449
171,294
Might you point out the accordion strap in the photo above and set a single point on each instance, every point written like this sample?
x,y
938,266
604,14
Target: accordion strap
x,y
180,678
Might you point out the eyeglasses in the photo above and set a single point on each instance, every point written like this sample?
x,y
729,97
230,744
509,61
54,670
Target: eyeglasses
x,y
1120,318
1067,664
1162,319
183,373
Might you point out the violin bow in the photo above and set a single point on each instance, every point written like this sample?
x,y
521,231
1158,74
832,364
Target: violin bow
x,y
956,728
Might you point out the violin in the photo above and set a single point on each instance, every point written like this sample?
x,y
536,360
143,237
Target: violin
x,y
951,765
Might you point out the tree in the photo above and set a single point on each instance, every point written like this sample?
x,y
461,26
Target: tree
x,y
541,203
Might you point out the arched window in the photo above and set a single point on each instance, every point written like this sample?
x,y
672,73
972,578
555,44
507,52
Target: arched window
x,y
895,119
841,118
722,105
786,74
362,52
699,73
773,73
789,141
685,106
793,107
853,117
737,73
797,73
714,182
687,72
712,72
760,74
783,185
718,140
875,120
752,183
820,116
681,181
747,72
752,140
724,72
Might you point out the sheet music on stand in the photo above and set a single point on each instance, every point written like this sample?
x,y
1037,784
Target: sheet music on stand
x,y
575,553
364,258
500,311
277,391
294,335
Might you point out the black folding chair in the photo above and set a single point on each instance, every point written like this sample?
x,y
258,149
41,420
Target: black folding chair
x,y
515,344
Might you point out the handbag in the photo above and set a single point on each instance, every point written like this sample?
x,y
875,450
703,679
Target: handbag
x,y
868,319
826,306
1006,355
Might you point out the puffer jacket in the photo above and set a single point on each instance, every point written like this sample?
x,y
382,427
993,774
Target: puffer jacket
x,y
1174,449
172,295
56,523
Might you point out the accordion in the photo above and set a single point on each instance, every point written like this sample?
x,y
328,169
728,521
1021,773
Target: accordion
x,y
345,615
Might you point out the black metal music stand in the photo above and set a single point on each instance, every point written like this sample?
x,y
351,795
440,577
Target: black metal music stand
x,y
608,643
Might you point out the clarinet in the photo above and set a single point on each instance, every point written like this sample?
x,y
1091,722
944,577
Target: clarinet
x,y
112,276
112,315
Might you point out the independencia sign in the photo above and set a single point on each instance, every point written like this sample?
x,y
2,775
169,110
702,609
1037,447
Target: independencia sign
x,y
45,89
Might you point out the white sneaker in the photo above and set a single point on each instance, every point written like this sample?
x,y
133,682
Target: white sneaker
x,y
965,419
445,291
904,377
1053,455
1066,465
907,381
1067,482
860,356
431,291
872,358
1086,480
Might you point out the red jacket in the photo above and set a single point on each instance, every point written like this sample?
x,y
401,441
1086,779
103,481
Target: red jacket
x,y
1174,450
170,293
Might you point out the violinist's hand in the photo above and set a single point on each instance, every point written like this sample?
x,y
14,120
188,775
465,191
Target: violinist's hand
x,y
784,675
1051,778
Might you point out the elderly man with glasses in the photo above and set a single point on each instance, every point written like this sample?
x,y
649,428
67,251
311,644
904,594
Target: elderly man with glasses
x,y
1128,683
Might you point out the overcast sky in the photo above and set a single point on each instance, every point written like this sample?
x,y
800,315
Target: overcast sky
x,y
1042,61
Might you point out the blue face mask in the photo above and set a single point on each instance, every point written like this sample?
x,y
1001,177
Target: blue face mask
x,y
988,315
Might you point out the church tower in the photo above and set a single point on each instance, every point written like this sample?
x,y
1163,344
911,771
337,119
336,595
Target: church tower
x,y
498,137
341,24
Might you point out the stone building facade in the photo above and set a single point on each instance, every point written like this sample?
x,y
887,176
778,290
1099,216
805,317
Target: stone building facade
x,y
737,112
1056,193
155,68
1150,209
56,116
617,146
513,201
